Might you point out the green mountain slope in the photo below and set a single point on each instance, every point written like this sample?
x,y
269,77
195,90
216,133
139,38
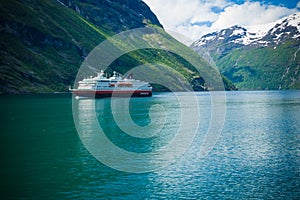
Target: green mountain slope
x,y
43,43
263,68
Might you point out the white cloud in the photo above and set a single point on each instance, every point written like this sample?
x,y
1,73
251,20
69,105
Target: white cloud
x,y
194,18
174,13
250,13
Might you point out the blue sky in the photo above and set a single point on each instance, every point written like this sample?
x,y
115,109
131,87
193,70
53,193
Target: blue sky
x,y
194,18
286,3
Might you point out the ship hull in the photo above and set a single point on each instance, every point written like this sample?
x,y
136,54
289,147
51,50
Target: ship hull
x,y
112,93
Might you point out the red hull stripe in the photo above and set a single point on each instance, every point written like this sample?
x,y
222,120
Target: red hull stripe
x,y
112,92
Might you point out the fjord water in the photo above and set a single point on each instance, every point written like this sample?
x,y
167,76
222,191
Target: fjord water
x,y
256,156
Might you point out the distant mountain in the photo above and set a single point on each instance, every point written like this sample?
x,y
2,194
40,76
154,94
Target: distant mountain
x,y
43,43
257,57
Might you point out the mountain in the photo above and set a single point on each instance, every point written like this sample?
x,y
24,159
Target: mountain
x,y
257,57
43,43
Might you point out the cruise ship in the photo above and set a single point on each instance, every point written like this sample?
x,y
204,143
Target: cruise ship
x,y
103,86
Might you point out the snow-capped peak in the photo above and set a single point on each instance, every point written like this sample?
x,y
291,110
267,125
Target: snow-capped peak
x,y
283,27
288,27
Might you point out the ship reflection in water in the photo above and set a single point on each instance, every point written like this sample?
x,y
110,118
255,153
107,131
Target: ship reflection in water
x,y
136,135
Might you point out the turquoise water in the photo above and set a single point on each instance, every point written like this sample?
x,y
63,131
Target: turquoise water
x,y
256,156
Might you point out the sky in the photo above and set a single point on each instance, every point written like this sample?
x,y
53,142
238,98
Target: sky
x,y
188,20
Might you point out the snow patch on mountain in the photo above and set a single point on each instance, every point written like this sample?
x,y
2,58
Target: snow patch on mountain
x,y
256,33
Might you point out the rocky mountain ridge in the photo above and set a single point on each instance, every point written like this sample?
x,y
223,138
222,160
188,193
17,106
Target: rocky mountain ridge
x,y
114,15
